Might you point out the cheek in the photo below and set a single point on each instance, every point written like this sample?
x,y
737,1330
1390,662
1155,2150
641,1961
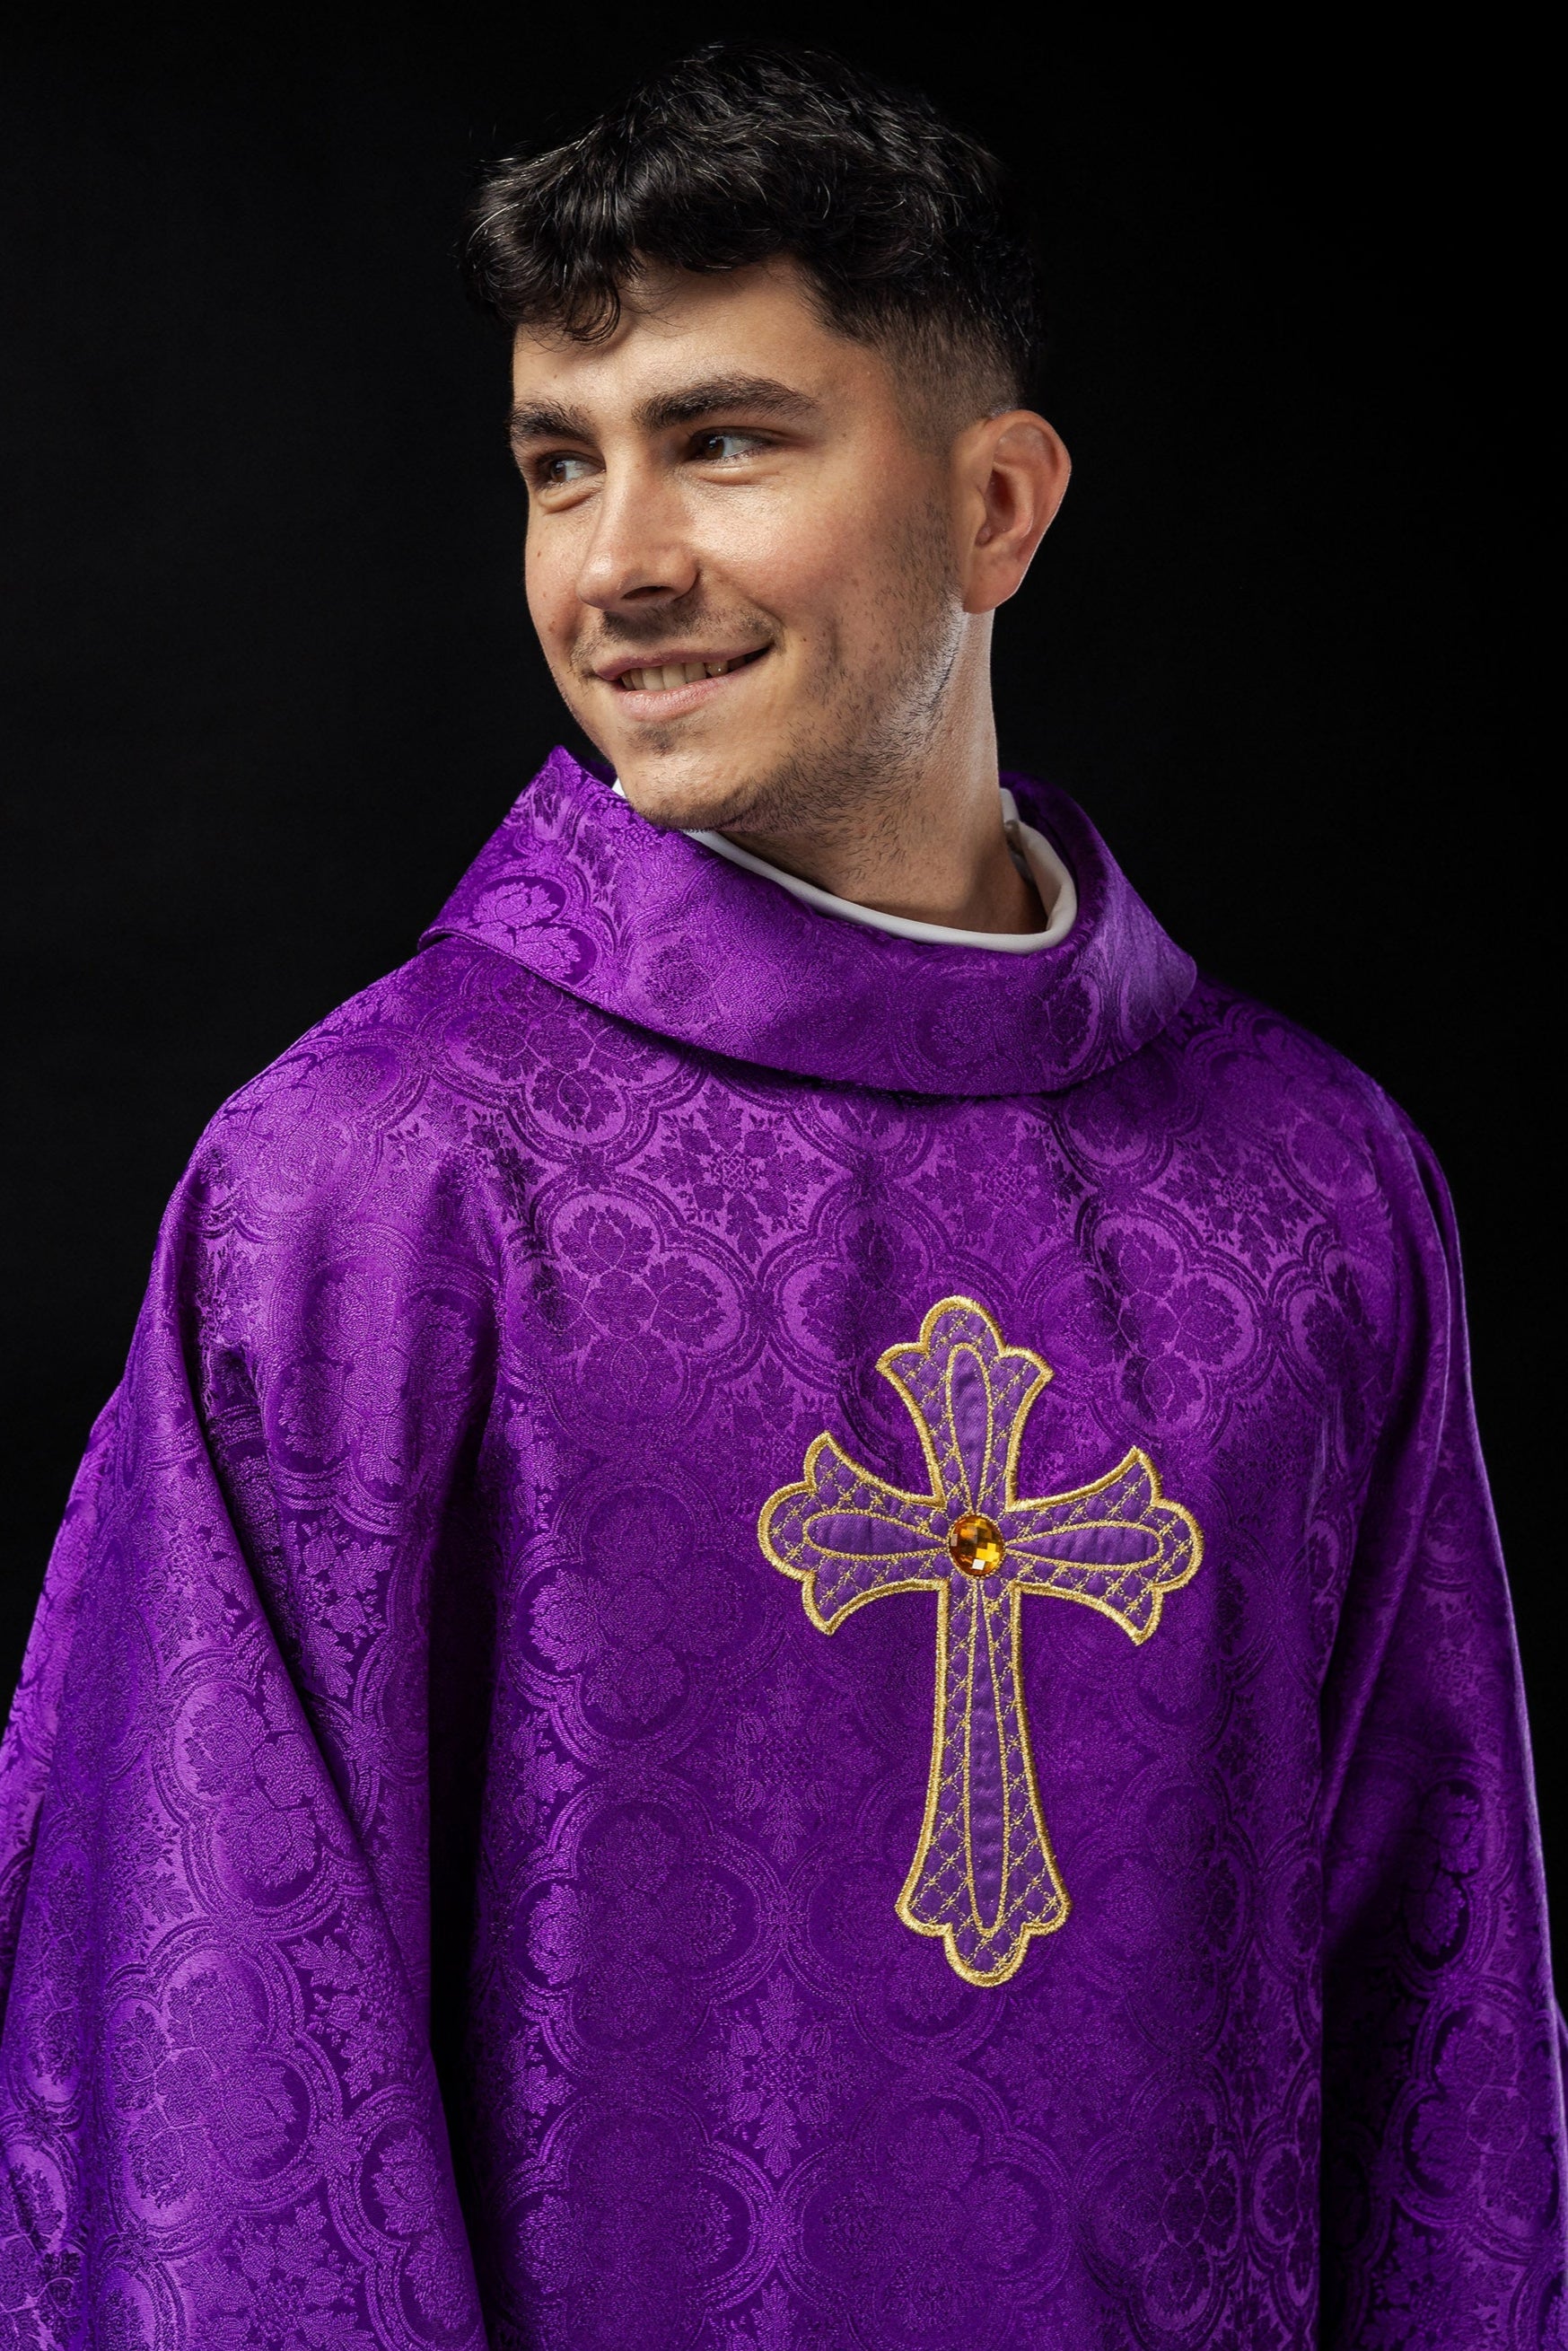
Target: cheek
x,y
548,583
820,563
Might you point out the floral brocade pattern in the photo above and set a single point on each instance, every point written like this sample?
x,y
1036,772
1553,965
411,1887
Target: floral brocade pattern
x,y
449,1886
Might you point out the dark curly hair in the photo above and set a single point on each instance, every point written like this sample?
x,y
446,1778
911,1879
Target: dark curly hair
x,y
899,222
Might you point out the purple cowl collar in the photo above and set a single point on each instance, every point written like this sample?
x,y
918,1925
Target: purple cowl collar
x,y
654,928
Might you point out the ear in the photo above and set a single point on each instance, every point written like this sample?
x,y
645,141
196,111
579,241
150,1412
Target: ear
x,y
1011,475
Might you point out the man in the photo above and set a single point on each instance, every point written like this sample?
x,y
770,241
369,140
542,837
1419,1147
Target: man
x,y
555,1798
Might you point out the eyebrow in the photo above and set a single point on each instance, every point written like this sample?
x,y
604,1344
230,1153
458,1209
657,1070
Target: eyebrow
x,y
760,394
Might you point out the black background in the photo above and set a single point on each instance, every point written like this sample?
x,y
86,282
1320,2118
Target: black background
x,y
269,677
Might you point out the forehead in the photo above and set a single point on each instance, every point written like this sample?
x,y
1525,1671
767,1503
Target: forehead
x,y
680,326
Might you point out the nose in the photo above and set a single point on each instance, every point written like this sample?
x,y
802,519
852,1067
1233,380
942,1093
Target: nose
x,y
639,553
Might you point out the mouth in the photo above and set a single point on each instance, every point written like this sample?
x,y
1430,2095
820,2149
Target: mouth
x,y
677,681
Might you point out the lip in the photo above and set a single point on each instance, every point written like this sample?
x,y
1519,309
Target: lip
x,y
663,702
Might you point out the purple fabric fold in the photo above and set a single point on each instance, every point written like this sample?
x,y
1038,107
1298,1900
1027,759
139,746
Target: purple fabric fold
x,y
653,927
706,1692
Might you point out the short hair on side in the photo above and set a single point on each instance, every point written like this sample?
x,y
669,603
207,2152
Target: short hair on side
x,y
901,224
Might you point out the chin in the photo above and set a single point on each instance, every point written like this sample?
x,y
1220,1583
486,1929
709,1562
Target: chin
x,y
680,798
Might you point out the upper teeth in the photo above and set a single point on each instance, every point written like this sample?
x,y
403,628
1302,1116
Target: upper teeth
x,y
649,681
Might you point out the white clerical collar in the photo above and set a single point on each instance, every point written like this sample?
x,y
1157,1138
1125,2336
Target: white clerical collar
x,y
1031,854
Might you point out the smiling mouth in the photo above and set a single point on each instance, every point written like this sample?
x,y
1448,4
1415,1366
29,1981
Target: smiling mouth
x,y
659,678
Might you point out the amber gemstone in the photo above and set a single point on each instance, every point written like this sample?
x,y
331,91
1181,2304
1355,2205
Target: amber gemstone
x,y
975,1544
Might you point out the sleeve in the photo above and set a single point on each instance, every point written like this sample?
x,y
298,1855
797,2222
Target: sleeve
x,y
1443,2132
220,2117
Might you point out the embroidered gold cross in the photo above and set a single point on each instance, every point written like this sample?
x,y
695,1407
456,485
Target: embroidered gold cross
x,y
984,1876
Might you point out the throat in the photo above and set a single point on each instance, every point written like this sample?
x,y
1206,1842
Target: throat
x,y
991,890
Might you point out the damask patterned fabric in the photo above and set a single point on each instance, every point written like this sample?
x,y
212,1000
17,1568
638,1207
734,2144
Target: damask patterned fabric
x,y
556,1797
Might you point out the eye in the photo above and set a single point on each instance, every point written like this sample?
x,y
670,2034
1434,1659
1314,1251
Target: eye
x,y
724,448
557,471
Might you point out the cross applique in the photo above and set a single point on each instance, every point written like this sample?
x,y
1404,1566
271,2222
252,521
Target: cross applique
x,y
984,1876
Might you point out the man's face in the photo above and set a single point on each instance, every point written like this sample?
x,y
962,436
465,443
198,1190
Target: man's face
x,y
740,552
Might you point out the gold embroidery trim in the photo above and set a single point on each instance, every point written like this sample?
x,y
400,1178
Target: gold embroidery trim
x,y
918,1542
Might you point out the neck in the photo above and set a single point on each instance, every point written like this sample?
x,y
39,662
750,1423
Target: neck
x,y
927,842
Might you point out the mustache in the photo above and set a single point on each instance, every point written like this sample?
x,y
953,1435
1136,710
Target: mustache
x,y
687,616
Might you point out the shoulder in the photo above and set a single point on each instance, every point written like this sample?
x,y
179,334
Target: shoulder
x,y
1279,1160
1251,1077
422,1054
385,1116
335,1256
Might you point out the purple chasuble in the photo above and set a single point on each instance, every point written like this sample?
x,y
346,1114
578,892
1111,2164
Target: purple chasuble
x,y
785,1640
